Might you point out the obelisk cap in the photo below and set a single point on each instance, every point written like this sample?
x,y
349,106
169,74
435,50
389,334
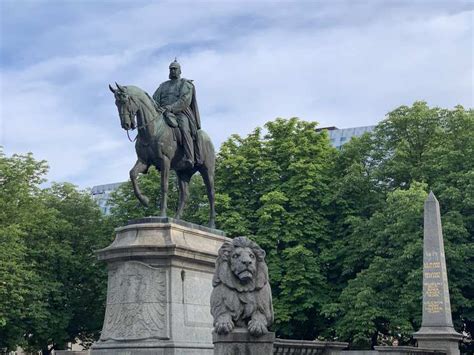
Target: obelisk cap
x,y
431,197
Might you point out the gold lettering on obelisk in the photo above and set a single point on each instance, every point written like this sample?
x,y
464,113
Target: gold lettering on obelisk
x,y
434,306
432,289
432,265
432,275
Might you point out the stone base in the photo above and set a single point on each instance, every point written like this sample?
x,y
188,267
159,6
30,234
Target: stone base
x,y
159,349
239,341
439,338
159,287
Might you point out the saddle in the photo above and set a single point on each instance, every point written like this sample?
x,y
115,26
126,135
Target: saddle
x,y
172,122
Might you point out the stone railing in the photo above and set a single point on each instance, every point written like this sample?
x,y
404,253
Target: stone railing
x,y
407,350
305,347
395,350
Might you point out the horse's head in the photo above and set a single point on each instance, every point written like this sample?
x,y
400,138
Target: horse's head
x,y
127,107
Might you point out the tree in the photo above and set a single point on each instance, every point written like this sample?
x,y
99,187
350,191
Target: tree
x,y
343,229
20,286
54,290
277,186
383,299
125,206
412,145
331,222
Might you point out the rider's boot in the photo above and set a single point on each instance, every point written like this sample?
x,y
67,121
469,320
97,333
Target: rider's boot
x,y
197,150
187,140
188,146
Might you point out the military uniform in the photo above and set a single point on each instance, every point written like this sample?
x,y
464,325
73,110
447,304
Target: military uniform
x,y
178,96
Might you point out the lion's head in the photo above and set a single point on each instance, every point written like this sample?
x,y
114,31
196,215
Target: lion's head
x,y
241,265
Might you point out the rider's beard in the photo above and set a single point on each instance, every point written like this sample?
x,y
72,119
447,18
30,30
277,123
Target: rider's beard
x,y
173,76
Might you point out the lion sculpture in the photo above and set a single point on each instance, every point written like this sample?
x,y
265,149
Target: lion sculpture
x,y
241,296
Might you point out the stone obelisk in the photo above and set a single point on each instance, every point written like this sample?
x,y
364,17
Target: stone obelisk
x,y
437,331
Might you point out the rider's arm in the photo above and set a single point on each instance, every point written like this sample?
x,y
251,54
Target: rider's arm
x,y
185,98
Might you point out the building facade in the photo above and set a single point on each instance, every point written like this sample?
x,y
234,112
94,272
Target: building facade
x,y
101,195
338,137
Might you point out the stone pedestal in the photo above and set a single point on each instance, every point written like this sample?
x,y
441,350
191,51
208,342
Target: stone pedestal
x,y
239,341
437,331
159,286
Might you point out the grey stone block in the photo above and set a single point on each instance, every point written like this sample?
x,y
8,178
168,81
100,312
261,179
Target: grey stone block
x,y
159,285
240,342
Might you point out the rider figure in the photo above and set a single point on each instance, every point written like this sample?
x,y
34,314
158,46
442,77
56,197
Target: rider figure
x,y
178,97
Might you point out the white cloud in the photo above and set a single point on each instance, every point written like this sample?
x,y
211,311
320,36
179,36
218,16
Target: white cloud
x,y
339,65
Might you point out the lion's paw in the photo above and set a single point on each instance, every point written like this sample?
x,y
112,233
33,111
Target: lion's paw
x,y
257,327
224,325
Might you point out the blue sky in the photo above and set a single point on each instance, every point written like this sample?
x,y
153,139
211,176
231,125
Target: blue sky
x,y
341,63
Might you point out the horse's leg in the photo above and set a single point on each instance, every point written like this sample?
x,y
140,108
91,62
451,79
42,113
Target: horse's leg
x,y
165,172
208,177
138,168
183,184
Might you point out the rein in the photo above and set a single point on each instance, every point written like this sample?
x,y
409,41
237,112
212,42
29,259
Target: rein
x,y
144,125
130,138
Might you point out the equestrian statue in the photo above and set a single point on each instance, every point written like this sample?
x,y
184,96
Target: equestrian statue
x,y
169,137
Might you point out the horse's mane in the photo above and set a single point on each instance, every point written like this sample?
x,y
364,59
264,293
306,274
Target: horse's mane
x,y
142,96
147,101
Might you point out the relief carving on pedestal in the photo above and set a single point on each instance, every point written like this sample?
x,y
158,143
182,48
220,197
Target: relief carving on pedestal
x,y
136,303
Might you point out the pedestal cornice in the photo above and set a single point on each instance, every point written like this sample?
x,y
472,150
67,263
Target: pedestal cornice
x,y
163,237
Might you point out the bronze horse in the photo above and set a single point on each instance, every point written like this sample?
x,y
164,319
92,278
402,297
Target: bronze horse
x,y
157,145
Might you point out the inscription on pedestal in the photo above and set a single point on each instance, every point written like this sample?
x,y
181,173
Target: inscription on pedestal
x,y
136,303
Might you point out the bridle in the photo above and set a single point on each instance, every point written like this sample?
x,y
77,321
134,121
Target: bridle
x,y
143,125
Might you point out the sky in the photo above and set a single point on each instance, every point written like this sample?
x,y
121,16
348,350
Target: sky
x,y
340,63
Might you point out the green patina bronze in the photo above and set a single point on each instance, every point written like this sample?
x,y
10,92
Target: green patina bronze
x,y
178,97
169,137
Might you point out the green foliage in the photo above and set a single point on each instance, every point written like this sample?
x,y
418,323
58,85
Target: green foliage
x,y
125,206
343,229
378,188
52,288
277,185
384,297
